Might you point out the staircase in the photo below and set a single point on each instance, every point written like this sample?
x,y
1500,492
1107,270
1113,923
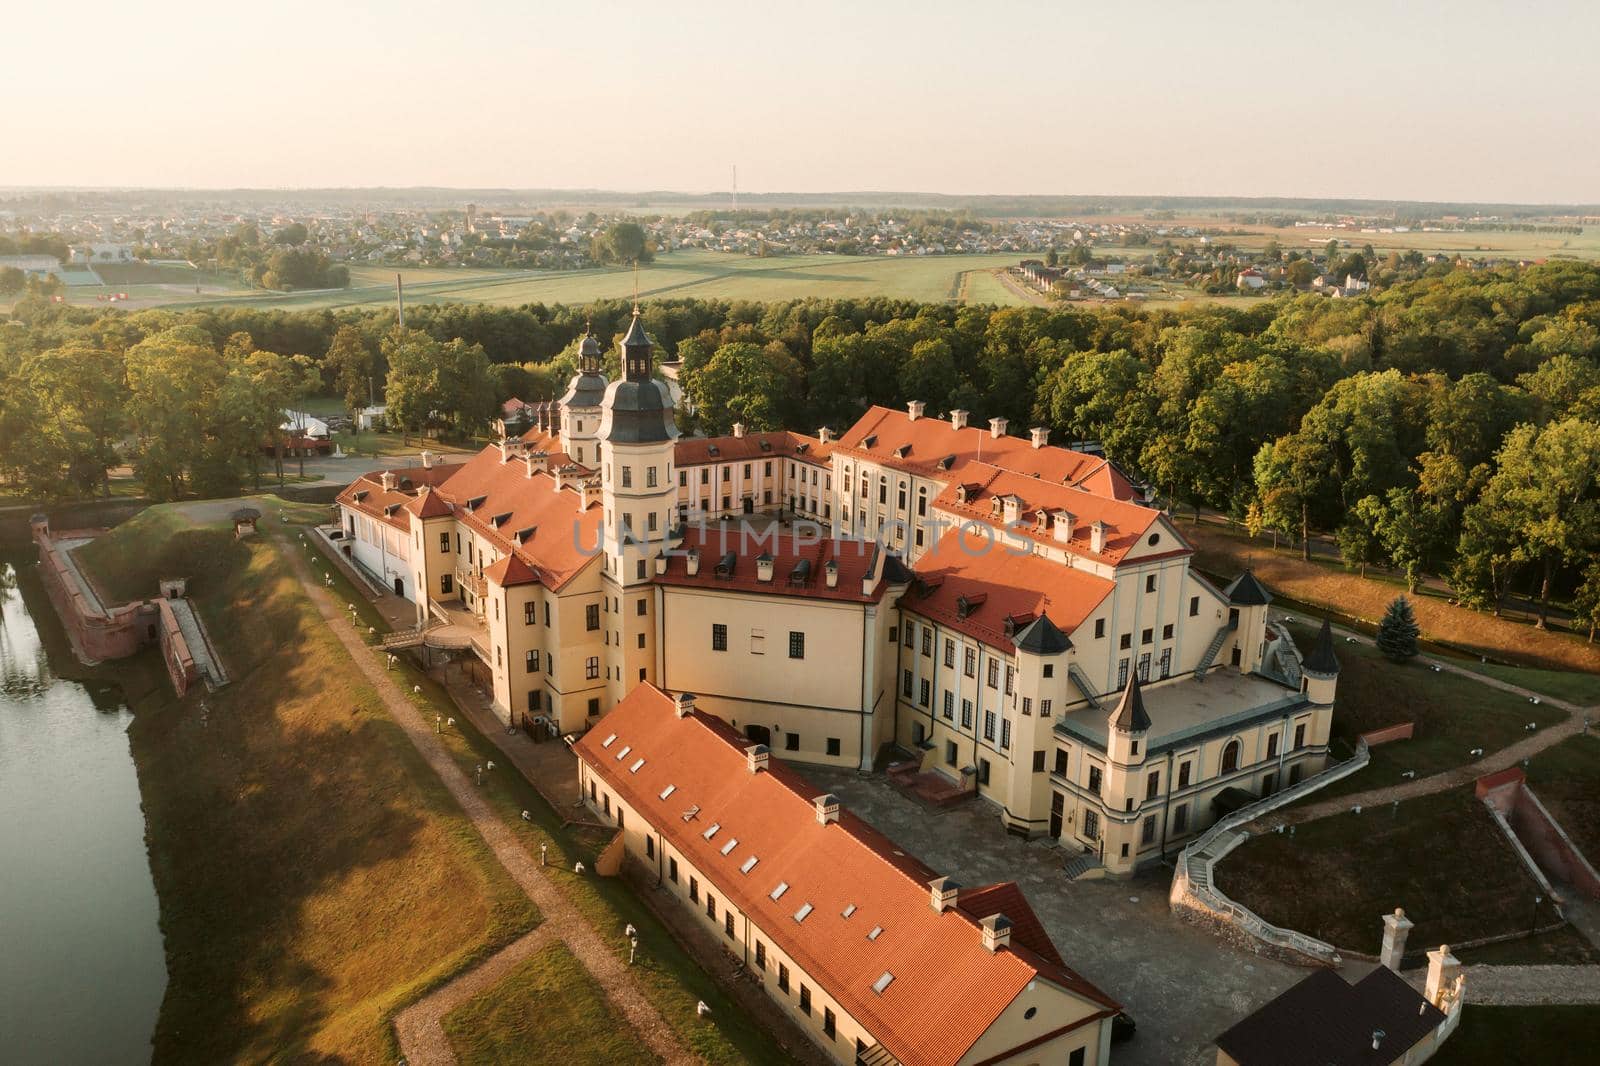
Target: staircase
x,y
408,638
1080,865
1210,654
1080,680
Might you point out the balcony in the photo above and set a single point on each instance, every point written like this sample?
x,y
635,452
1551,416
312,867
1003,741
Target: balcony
x,y
457,627
473,582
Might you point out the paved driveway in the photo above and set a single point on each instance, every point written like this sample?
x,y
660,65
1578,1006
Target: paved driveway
x,y
1181,985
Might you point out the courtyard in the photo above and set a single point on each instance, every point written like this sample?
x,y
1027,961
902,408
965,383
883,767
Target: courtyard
x,y
1181,984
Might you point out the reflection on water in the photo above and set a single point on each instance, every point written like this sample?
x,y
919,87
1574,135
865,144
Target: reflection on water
x,y
81,964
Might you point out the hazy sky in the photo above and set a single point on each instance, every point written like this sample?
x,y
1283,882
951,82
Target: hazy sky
x,y
1434,101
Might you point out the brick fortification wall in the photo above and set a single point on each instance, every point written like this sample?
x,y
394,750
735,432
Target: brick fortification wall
x,y
1402,731
1539,832
181,668
97,632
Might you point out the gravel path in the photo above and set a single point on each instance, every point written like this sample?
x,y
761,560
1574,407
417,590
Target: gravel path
x,y
1526,986
420,1026
560,916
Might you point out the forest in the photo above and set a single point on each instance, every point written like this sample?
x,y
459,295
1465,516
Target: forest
x,y
1447,425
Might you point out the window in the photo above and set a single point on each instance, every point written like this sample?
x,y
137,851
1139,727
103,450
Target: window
x,y
1150,583
683,479
1152,784
797,644
805,998
791,742
1061,761
1194,606
1180,818
527,613
994,673
531,661
949,653
591,617
1077,1057
1147,835
533,701
1166,631
949,705
1144,667
1299,735
911,635
966,714
1272,746
649,847
969,665
950,755
1011,679
444,543
627,477
694,889
923,693
1049,670
727,923
1005,733
988,726
1122,673
983,771
1044,708
1038,762
719,637
640,608
1099,628
1147,637
905,684
1094,780
546,612
1091,825
833,745
650,477
591,667
672,870
1027,705
641,640
783,977
711,906
761,956
927,641
1230,757
829,1023
446,584
1166,662
1183,775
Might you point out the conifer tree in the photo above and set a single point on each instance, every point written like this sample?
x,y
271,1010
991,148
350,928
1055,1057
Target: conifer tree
x,y
1397,632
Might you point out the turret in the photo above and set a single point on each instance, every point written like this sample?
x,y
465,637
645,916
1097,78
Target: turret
x,y
1321,668
1247,613
578,411
1127,726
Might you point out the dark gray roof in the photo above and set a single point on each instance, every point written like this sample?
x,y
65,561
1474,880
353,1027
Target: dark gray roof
x,y
636,336
1246,591
586,389
1326,1021
1130,716
1041,637
1322,660
637,412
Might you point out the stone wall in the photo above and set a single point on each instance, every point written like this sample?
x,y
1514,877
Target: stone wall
x,y
1403,731
1536,830
181,668
97,632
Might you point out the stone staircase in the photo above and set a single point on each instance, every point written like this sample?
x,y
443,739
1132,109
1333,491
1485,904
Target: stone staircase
x,y
408,638
1209,656
1079,865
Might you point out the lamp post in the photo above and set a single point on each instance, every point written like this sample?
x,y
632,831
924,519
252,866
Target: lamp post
x,y
1534,924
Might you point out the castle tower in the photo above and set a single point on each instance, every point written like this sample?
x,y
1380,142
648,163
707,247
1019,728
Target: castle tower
x,y
1128,725
1248,601
636,439
579,408
1321,668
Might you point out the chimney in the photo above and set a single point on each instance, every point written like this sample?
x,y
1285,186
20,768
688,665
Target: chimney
x,y
944,891
1377,1038
996,932
1097,536
691,565
738,430
536,462
505,449
1063,525
1395,928
756,757
958,419
588,492
1041,436
914,409
683,703
997,427
830,573
825,435
428,459
388,480
1443,968
764,567
661,563
827,807
560,478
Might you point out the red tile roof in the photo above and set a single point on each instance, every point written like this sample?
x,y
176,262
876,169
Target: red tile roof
x,y
696,451
998,582
935,958
563,535
931,442
385,506
1005,897
510,570
538,440
855,560
1126,522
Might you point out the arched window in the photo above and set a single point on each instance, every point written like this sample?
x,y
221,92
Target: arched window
x,y
1230,757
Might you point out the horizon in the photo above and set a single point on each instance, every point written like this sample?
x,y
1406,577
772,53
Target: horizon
x,y
1031,101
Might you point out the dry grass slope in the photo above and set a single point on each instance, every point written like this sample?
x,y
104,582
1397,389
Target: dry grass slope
x,y
313,873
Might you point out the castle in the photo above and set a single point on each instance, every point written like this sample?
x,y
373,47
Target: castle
x,y
1006,611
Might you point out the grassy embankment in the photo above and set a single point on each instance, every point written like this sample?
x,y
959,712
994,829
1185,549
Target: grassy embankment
x,y
670,977
314,875
550,1003
1453,715
1440,857
1492,1036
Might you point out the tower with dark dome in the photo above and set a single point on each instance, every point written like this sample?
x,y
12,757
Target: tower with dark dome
x,y
580,406
637,434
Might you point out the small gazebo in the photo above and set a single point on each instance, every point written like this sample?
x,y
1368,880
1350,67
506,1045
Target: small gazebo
x,y
244,521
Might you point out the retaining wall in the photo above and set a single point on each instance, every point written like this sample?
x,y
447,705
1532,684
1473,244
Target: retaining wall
x,y
181,668
1536,830
1403,731
97,633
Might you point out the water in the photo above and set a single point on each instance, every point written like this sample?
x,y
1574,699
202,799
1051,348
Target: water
x,y
81,965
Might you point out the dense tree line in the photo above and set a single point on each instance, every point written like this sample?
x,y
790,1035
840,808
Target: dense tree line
x,y
1447,425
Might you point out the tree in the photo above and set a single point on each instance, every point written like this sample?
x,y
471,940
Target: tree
x,y
174,378
294,233
625,242
412,390
12,280
1586,601
350,367
82,392
1398,631
746,383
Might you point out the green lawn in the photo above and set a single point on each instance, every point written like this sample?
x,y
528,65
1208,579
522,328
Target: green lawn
x,y
1453,714
1566,778
314,874
1582,689
549,1003
1493,1036
1441,857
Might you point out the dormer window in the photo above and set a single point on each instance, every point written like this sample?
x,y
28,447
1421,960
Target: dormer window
x,y
902,451
871,441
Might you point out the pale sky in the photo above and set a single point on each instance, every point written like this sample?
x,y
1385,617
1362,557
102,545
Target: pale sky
x,y
1343,98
